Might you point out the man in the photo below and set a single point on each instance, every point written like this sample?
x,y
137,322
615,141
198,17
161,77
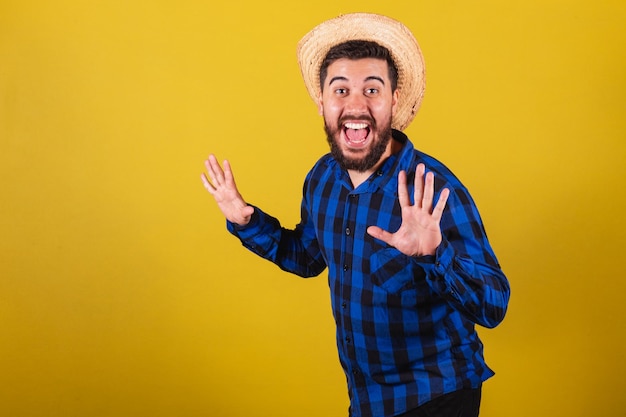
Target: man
x,y
410,268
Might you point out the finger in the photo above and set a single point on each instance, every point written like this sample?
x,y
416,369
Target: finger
x,y
207,184
247,211
215,166
215,170
378,233
419,184
403,192
441,204
429,192
229,179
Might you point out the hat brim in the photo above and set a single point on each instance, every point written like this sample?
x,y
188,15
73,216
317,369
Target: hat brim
x,y
387,32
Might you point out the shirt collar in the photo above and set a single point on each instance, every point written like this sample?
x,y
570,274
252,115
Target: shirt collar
x,y
386,177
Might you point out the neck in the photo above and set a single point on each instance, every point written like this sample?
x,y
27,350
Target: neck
x,y
359,177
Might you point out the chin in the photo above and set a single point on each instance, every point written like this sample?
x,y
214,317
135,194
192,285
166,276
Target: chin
x,y
360,159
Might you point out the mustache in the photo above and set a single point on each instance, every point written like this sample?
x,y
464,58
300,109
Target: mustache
x,y
360,118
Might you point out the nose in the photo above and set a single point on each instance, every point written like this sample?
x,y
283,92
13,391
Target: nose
x,y
356,104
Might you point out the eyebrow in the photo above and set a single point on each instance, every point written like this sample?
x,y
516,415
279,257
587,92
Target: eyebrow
x,y
332,80
375,77
370,78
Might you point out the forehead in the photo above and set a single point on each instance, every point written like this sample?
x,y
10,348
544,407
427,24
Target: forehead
x,y
357,69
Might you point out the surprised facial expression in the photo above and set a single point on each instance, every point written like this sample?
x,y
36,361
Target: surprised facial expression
x,y
357,104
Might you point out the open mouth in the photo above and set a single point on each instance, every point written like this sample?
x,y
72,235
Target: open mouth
x,y
356,133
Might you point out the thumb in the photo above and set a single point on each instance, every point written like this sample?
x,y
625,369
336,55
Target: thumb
x,y
378,233
240,216
247,211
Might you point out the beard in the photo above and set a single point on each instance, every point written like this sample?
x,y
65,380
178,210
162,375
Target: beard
x,y
365,159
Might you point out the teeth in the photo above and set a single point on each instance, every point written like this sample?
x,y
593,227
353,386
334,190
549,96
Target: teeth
x,y
356,126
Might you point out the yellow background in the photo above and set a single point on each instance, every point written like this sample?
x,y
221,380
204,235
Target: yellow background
x,y
121,293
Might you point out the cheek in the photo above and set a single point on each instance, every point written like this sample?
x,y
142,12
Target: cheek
x,y
330,110
382,111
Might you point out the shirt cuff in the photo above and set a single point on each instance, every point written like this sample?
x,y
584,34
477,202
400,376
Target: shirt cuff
x,y
438,264
246,230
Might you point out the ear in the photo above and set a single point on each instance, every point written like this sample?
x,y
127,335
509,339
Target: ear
x,y
394,100
320,105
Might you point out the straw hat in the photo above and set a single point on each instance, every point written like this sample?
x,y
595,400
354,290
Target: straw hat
x,y
391,34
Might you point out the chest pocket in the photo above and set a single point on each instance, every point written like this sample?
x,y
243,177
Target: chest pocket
x,y
395,272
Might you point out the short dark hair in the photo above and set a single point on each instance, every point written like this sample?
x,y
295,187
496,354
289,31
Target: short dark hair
x,y
359,49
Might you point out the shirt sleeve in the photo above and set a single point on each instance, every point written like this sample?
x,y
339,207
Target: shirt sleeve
x,y
295,251
464,270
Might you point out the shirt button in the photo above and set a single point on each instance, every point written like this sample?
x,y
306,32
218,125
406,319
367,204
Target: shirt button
x,y
348,231
346,267
344,305
348,339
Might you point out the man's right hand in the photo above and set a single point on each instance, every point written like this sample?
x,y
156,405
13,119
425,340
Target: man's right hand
x,y
221,185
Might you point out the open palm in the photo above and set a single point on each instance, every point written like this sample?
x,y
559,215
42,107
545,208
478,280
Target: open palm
x,y
221,186
420,233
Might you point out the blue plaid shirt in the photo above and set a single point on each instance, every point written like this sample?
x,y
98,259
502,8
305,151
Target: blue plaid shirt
x,y
405,325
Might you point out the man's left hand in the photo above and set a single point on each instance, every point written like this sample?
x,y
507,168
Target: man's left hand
x,y
419,234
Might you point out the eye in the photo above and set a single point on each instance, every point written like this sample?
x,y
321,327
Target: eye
x,y
341,91
371,91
